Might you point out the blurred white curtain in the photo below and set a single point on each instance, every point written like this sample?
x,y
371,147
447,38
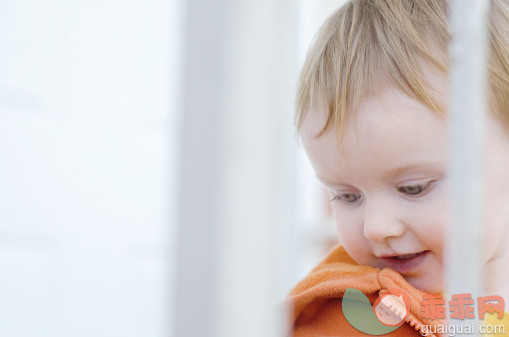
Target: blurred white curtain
x,y
84,144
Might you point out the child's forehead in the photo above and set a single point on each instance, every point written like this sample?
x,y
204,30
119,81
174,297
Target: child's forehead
x,y
391,107
386,134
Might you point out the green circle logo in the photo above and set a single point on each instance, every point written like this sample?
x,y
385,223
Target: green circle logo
x,y
387,314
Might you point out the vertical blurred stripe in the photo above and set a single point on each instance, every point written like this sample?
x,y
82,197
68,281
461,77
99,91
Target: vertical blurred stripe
x,y
468,106
236,181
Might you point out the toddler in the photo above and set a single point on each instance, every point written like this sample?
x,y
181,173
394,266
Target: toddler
x,y
371,114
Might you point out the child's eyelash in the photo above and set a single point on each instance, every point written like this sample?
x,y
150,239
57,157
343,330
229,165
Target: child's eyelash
x,y
411,190
420,188
340,196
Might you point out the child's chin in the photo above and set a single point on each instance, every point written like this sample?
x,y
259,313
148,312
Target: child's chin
x,y
428,284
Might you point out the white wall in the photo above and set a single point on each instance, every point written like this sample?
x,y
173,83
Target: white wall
x,y
84,149
89,141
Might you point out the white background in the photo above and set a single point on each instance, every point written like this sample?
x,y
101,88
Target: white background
x,y
88,150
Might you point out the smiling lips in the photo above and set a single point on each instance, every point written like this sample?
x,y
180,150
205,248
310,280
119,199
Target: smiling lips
x,y
405,263
407,256
403,256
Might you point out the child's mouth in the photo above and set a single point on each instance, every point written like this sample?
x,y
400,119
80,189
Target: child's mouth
x,y
405,263
408,256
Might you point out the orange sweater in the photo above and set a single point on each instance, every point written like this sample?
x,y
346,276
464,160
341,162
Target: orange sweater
x,y
316,300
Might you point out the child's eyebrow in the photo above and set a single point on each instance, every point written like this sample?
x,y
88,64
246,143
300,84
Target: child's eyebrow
x,y
393,172
413,166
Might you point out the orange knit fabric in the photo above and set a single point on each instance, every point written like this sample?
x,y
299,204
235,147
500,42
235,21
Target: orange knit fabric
x,y
315,301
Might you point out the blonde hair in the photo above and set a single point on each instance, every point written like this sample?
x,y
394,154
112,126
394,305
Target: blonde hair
x,y
369,44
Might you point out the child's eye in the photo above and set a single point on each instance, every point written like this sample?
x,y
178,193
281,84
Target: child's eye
x,y
349,198
418,189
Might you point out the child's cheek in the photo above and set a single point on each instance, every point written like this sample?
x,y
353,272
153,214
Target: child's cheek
x,y
351,235
496,227
427,219
345,226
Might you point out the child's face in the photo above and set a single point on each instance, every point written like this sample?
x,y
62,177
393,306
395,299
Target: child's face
x,y
388,185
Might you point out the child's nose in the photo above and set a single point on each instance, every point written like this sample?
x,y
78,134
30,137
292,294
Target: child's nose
x,y
382,222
